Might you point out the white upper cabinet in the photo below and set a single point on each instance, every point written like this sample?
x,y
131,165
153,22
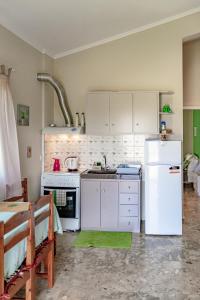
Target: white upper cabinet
x,y
97,113
146,112
121,113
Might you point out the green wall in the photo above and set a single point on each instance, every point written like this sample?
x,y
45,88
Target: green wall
x,y
187,131
196,134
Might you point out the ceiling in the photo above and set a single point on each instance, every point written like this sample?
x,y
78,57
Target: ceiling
x,y
61,27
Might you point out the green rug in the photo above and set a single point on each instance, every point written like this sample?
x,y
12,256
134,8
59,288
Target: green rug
x,y
103,239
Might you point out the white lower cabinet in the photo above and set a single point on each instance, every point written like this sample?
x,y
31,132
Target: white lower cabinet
x,y
90,204
128,210
129,205
129,199
128,222
110,205
127,186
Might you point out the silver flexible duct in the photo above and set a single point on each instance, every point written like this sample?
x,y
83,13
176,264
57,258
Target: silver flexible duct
x,y
45,77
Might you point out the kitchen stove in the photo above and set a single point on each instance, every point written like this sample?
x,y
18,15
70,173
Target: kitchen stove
x,y
66,190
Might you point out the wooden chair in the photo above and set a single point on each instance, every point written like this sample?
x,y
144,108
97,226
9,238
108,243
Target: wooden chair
x,y
45,251
24,196
26,274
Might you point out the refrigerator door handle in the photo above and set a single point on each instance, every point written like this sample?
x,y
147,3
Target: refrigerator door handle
x,y
174,168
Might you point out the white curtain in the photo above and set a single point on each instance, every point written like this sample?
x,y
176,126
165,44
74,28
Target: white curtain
x,y
10,175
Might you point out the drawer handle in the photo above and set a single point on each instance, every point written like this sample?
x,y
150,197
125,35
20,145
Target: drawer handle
x,y
129,187
129,198
129,210
129,223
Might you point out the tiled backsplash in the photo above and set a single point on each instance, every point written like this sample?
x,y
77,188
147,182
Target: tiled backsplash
x,y
90,149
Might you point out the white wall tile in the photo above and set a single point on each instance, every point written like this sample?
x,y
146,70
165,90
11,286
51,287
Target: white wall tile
x,y
90,149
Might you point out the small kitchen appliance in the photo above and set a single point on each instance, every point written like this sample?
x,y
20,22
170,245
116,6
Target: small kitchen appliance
x,y
71,163
163,187
56,165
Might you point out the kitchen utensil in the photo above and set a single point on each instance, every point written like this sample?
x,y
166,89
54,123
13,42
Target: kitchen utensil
x,y
163,125
166,108
77,120
82,120
56,165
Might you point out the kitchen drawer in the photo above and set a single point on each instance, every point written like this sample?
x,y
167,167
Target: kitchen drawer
x,y
130,223
128,199
129,187
128,210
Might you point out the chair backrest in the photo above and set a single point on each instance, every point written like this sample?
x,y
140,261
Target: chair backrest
x,y
47,213
23,196
28,232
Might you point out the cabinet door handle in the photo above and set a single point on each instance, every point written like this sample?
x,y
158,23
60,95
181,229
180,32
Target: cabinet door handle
x,y
137,124
113,124
106,124
129,198
129,187
129,210
103,190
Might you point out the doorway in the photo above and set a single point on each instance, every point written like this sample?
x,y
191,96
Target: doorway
x,y
191,131
191,114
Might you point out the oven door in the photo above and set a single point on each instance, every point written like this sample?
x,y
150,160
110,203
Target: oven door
x,y
66,201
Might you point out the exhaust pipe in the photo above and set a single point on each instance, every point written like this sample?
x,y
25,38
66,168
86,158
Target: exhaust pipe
x,y
62,99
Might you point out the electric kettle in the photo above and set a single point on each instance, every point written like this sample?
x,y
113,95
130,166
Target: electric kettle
x,y
71,163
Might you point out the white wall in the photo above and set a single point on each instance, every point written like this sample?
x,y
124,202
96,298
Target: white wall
x,y
191,73
147,60
47,93
27,90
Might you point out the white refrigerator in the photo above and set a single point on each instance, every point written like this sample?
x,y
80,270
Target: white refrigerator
x,y
163,187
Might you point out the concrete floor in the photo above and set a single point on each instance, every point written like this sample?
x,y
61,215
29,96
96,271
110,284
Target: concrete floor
x,y
155,267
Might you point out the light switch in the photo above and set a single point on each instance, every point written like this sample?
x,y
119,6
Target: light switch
x,y
29,152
